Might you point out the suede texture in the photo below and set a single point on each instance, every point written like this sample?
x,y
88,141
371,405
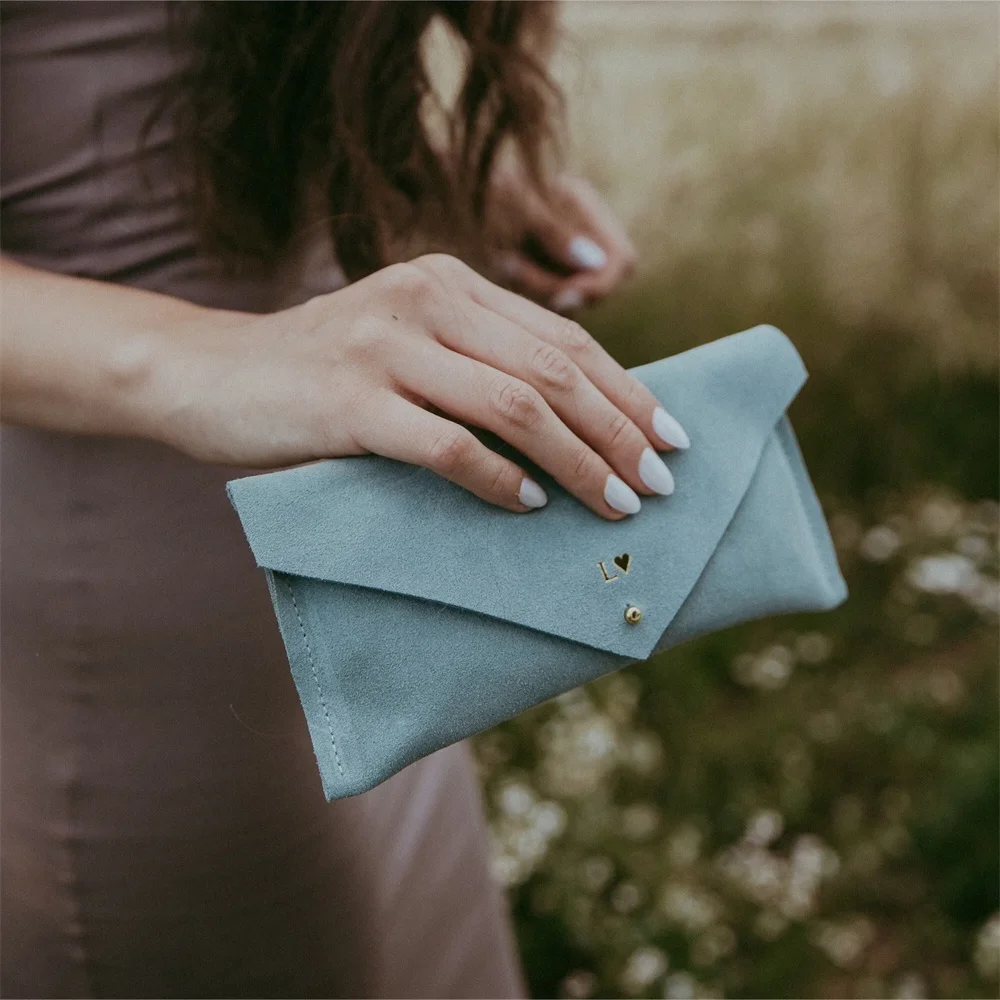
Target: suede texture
x,y
415,615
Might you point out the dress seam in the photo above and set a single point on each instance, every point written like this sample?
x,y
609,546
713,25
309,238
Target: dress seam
x,y
75,930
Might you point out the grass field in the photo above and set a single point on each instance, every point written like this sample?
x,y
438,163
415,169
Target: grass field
x,y
806,806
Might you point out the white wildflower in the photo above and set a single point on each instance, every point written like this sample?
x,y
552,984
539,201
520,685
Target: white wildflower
x,y
644,966
549,818
640,821
813,647
843,943
987,950
690,906
942,574
764,827
515,799
911,986
879,544
681,986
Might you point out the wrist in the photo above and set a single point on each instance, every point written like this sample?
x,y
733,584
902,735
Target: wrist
x,y
89,357
154,374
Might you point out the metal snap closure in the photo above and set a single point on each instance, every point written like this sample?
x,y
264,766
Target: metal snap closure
x,y
633,614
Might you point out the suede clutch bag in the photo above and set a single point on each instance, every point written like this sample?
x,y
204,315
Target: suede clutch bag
x,y
415,614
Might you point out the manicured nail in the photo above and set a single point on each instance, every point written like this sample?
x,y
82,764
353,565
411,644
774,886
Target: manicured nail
x,y
566,300
531,494
621,496
667,429
654,473
509,266
585,253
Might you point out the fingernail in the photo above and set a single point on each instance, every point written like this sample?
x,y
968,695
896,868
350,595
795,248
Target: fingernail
x,y
531,494
654,473
585,253
621,496
566,300
667,429
509,266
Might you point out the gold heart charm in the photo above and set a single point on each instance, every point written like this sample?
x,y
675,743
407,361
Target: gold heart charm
x,y
622,561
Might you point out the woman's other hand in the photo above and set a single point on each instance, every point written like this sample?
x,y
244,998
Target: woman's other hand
x,y
569,250
396,364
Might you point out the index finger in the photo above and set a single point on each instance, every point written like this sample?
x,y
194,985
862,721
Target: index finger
x,y
624,390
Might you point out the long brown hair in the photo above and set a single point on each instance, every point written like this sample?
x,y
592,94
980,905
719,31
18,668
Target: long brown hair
x,y
333,95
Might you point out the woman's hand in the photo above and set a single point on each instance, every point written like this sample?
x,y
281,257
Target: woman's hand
x,y
569,250
395,364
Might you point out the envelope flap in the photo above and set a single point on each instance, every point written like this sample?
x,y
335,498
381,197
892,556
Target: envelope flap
x,y
376,523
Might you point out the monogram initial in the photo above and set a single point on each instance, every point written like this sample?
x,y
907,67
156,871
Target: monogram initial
x,y
622,562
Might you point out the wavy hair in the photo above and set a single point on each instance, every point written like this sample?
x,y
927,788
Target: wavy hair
x,y
333,96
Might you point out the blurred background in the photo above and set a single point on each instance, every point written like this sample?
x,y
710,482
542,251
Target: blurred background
x,y
806,806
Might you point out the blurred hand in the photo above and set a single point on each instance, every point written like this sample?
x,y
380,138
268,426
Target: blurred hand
x,y
395,364
570,250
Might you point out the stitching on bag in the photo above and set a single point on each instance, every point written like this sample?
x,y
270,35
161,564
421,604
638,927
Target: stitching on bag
x,y
315,673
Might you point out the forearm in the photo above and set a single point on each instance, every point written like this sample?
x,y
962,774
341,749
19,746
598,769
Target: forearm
x,y
350,372
84,356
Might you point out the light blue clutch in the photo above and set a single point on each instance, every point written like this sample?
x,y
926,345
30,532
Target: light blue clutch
x,y
415,614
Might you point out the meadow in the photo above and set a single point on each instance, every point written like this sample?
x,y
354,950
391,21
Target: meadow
x,y
805,806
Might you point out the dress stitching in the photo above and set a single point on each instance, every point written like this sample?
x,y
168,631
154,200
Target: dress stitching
x,y
71,836
315,673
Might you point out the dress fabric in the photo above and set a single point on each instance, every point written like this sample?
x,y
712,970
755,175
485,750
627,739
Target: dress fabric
x,y
164,832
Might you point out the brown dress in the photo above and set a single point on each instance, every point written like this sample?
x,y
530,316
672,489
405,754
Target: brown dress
x,y
164,832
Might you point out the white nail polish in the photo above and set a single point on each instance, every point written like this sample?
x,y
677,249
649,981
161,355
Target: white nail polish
x,y
566,300
654,473
531,494
621,496
667,429
585,253
509,266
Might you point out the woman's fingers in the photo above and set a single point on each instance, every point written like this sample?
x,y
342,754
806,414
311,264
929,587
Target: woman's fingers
x,y
531,279
538,283
508,347
627,393
495,360
578,231
596,244
600,223
561,234
517,412
407,432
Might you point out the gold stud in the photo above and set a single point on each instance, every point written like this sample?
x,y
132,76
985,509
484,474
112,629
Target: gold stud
x,y
633,614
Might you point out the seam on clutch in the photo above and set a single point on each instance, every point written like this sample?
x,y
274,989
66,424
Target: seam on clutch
x,y
315,673
811,505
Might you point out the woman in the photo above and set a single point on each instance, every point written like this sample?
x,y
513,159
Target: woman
x,y
177,184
